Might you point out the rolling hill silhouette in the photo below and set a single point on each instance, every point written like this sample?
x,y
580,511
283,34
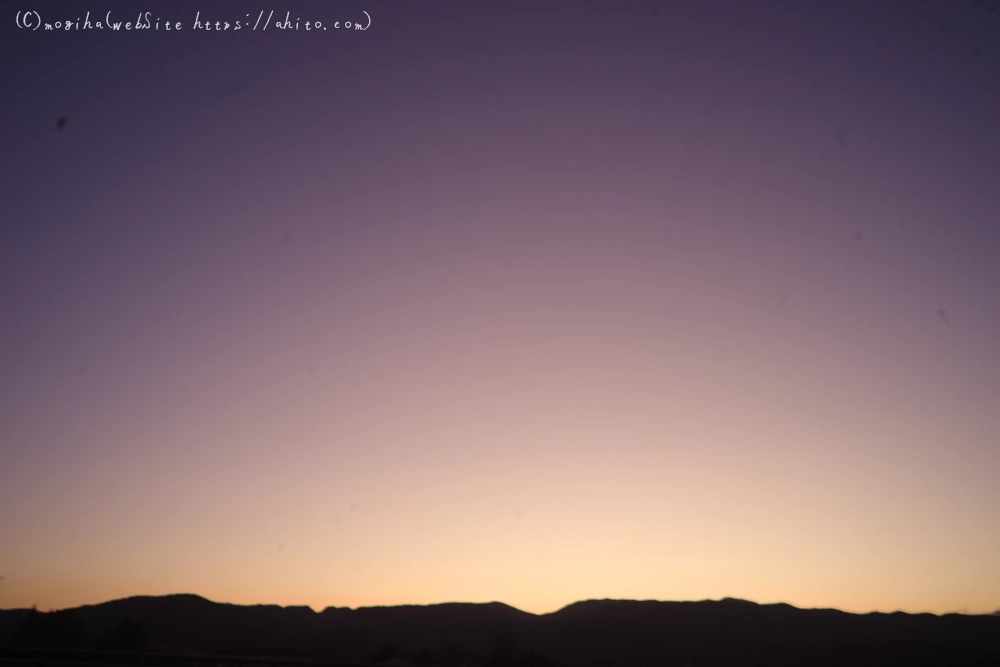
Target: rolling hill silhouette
x,y
594,633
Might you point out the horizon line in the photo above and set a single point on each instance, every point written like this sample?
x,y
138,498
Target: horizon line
x,y
495,602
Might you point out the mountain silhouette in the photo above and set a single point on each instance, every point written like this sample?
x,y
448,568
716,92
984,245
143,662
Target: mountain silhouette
x,y
594,633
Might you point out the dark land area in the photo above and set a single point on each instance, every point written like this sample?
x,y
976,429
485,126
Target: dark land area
x,y
190,631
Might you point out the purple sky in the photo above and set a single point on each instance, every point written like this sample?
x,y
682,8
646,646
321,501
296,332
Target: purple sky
x,y
519,301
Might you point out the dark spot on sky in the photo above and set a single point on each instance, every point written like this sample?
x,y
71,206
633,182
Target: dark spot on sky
x,y
286,238
943,26
976,51
993,9
654,12
858,236
783,300
61,123
354,507
716,103
238,88
281,546
943,315
842,137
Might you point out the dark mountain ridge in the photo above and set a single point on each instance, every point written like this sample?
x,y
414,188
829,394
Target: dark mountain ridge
x,y
609,633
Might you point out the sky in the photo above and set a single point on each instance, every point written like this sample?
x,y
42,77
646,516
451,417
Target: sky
x,y
532,302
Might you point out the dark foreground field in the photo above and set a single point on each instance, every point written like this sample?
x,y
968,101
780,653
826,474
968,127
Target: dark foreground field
x,y
189,631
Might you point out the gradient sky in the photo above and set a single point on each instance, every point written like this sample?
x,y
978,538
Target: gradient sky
x,y
520,301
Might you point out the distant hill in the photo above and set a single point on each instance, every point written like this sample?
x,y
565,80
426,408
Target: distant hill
x,y
595,633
